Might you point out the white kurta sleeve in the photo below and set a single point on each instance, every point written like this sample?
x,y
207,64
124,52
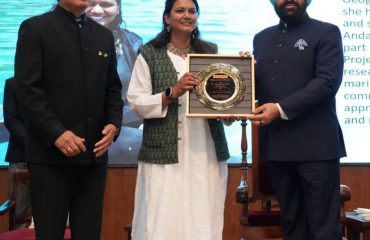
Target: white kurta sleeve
x,y
139,95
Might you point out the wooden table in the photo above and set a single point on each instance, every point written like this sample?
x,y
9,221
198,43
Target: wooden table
x,y
356,225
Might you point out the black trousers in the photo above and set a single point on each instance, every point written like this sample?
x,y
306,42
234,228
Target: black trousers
x,y
309,198
57,191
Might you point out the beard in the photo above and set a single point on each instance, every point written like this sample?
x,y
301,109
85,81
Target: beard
x,y
290,15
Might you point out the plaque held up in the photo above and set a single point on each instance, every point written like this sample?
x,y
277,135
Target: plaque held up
x,y
226,86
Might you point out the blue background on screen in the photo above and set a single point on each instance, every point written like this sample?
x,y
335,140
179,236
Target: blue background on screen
x,y
231,24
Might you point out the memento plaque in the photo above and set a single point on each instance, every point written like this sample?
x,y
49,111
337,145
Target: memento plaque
x,y
226,86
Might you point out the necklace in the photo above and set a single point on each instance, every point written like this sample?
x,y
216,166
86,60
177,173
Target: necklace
x,y
182,52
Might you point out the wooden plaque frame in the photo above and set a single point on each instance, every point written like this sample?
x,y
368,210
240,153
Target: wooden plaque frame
x,y
245,65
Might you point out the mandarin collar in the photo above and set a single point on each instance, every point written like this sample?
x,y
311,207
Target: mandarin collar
x,y
299,22
59,9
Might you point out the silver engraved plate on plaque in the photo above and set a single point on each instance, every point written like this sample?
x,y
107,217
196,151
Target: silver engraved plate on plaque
x,y
221,86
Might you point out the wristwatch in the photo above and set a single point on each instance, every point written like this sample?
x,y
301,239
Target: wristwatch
x,y
168,94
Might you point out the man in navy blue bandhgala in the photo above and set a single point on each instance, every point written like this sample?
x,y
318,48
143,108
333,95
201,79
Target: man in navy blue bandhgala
x,y
299,65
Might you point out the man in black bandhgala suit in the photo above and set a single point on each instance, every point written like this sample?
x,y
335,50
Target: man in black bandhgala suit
x,y
66,79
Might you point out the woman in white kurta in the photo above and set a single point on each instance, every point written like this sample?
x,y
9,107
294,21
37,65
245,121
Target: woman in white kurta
x,y
182,201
